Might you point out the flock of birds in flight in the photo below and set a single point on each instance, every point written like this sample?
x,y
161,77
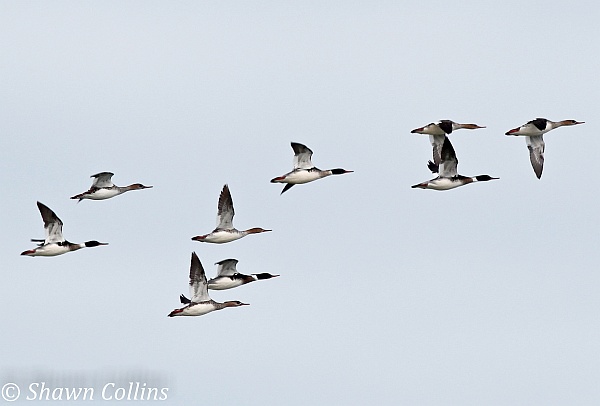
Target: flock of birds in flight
x,y
444,164
444,158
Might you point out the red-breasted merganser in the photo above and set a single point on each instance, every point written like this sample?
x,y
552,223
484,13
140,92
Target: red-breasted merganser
x,y
304,171
228,277
103,188
201,303
534,130
438,131
225,232
55,244
448,176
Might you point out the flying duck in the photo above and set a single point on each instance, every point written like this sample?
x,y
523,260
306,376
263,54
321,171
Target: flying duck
x,y
55,243
225,232
228,277
200,303
534,131
304,171
438,131
448,176
103,188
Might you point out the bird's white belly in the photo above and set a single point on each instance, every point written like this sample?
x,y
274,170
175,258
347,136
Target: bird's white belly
x,y
197,309
102,194
443,184
223,283
300,177
221,237
529,131
51,250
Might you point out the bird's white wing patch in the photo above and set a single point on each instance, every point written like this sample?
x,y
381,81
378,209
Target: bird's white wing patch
x,y
536,147
302,156
227,267
198,283
225,210
449,164
102,179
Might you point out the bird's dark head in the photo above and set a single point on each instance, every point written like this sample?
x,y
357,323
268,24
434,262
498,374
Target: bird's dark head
x,y
94,243
339,171
264,276
483,178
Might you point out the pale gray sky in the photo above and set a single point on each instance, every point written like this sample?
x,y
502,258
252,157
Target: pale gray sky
x,y
487,294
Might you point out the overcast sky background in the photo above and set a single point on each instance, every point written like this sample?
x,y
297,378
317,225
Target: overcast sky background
x,y
486,294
